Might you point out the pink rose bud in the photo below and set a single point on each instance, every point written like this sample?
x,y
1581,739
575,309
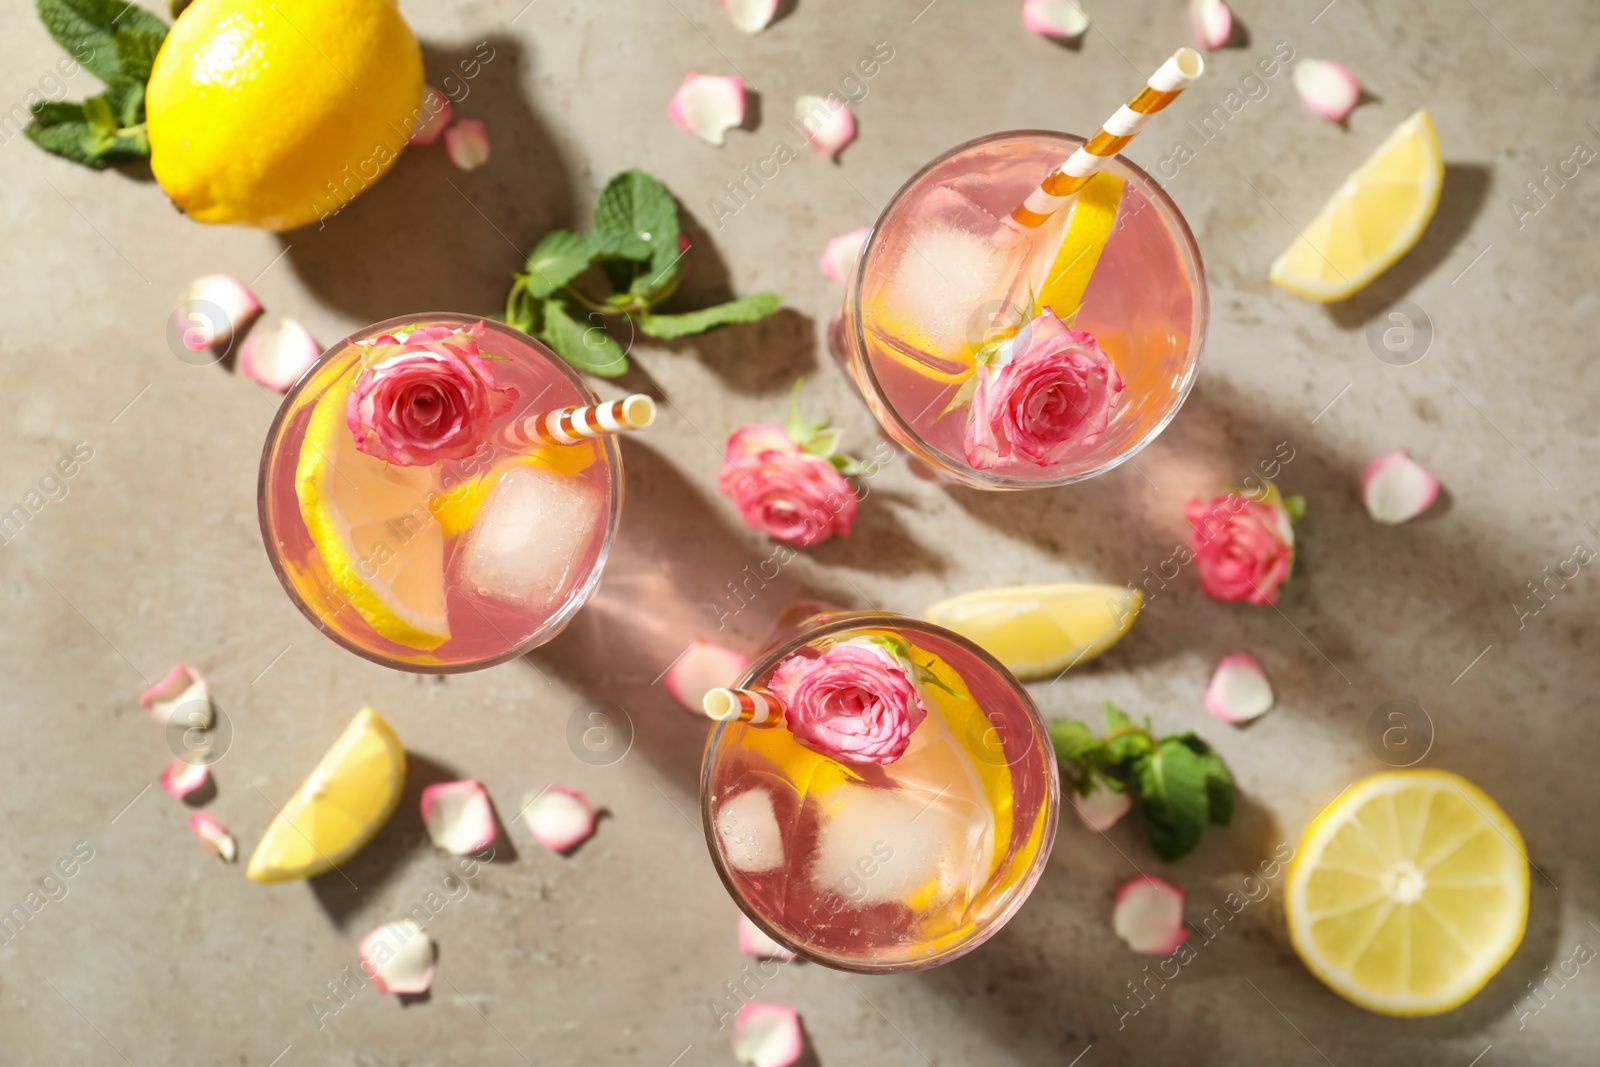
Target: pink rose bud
x,y
424,398
855,702
1244,548
784,491
1048,391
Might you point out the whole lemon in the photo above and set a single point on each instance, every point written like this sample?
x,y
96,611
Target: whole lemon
x,y
275,113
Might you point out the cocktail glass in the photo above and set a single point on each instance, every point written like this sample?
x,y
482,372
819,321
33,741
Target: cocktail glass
x,y
899,867
450,567
942,273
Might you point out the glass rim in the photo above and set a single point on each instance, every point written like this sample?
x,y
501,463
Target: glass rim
x,y
823,625
580,594
960,471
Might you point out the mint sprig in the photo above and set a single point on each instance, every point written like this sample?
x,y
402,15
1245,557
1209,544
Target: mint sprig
x,y
117,42
1181,784
636,246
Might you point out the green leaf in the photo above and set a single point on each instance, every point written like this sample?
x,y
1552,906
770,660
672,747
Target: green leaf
x,y
1075,745
824,443
1219,783
87,133
745,309
1171,782
964,395
556,260
586,346
90,30
1296,507
1125,739
636,218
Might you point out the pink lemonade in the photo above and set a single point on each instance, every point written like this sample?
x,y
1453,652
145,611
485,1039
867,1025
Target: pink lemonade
x,y
440,568
895,867
942,274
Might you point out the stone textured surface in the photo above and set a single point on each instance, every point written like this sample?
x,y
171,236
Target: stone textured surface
x,y
160,954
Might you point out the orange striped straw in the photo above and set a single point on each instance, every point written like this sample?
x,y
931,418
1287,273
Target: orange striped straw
x,y
571,425
1163,88
754,706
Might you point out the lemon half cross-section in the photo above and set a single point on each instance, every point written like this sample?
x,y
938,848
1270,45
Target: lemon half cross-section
x,y
1373,219
1408,892
371,524
339,808
1040,630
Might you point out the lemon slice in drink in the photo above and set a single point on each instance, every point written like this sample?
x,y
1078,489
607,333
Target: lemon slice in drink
x,y
339,808
1093,215
1408,892
370,523
461,504
1376,217
1039,630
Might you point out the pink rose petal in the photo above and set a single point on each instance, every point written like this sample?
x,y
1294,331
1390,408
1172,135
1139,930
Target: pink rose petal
x,y
398,957
559,819
180,777
185,690
754,941
708,106
1239,690
828,123
750,16
228,296
703,667
1212,21
1326,88
1061,19
1149,916
458,816
1101,809
467,143
766,1035
839,258
433,115
214,836
277,358
1396,488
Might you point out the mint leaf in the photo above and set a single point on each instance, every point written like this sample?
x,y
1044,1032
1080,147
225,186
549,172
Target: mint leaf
x,y
556,260
87,133
636,218
1171,782
1075,745
745,309
90,29
1125,739
585,346
1219,783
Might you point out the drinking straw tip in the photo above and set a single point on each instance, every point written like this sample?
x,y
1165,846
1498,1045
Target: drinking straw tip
x,y
639,411
1190,62
721,704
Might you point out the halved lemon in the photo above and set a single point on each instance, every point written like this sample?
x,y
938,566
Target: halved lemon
x,y
1376,216
1039,630
1408,892
463,502
370,523
1094,213
339,808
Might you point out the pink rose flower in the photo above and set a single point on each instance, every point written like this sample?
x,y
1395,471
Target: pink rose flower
x,y
855,702
1243,547
1048,390
427,398
784,491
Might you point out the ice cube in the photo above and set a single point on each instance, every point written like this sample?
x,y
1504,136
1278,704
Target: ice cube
x,y
948,274
532,529
747,827
880,845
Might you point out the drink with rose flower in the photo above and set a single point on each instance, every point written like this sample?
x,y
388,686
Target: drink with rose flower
x,y
1015,359
902,810
407,515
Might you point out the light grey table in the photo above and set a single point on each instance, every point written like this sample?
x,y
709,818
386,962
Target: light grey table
x,y
158,953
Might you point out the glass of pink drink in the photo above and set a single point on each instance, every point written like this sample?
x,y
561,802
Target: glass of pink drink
x,y
893,867
942,273
452,566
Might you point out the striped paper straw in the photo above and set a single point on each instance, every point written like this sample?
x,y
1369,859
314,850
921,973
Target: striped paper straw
x,y
754,706
1164,85
568,426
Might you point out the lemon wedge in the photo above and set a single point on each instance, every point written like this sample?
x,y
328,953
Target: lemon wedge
x,y
370,523
1376,217
339,808
1093,215
1408,892
1039,630
461,504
